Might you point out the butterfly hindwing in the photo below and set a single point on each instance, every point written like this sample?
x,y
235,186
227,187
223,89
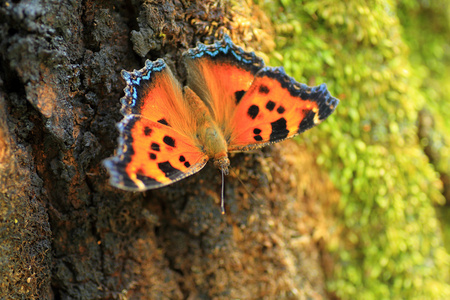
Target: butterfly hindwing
x,y
220,74
277,107
152,155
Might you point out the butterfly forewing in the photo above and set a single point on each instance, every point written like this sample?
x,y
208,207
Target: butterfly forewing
x,y
220,74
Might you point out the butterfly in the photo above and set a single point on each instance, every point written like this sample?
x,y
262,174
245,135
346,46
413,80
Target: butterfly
x,y
231,103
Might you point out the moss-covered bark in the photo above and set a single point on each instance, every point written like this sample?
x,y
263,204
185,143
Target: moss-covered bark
x,y
391,244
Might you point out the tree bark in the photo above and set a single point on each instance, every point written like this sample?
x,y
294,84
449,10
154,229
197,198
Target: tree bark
x,y
67,234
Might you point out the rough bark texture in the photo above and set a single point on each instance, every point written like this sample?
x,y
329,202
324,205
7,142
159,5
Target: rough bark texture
x,y
67,234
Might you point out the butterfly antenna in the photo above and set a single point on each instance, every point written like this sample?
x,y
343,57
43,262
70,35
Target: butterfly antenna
x,y
222,202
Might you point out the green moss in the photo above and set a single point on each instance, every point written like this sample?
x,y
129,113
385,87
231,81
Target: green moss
x,y
430,59
391,245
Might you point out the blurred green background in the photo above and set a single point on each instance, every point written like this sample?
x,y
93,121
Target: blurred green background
x,y
387,147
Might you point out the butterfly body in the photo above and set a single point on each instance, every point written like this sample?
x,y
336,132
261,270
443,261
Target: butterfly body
x,y
231,103
208,136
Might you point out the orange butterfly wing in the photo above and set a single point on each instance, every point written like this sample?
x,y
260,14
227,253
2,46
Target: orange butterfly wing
x,y
252,104
220,74
154,93
156,147
277,107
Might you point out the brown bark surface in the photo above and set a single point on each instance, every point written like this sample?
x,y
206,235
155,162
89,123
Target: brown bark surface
x,y
67,234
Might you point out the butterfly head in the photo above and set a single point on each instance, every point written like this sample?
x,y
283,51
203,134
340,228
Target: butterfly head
x,y
222,163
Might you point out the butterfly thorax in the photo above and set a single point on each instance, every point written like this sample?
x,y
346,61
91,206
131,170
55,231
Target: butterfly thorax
x,y
212,143
214,146
209,136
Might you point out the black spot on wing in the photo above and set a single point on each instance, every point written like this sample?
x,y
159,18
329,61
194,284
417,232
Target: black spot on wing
x,y
152,156
183,159
263,89
281,109
257,137
169,141
167,169
238,95
279,130
270,105
253,111
155,147
147,131
307,122
164,122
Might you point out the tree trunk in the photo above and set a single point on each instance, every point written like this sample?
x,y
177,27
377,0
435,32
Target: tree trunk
x,y
67,234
